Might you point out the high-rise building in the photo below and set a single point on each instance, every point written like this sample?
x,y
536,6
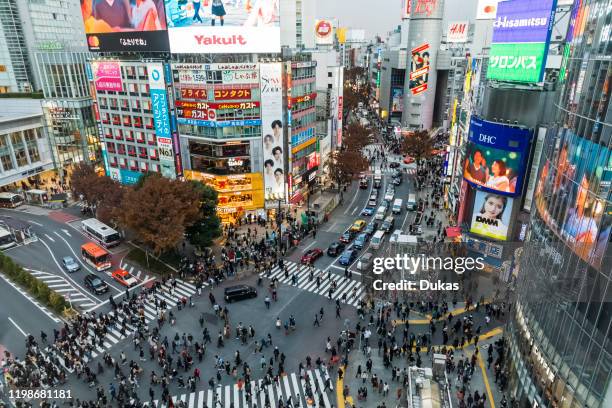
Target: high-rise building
x,y
303,154
560,349
32,26
298,23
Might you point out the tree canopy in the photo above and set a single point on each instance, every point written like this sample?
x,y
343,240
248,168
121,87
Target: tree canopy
x,y
159,211
102,193
418,145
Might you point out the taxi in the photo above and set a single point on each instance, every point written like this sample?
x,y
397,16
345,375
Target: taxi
x,y
124,278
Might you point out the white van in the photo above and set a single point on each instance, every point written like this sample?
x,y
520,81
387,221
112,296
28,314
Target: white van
x,y
411,203
377,239
397,206
380,213
377,179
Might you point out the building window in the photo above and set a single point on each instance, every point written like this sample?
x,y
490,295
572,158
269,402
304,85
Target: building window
x,y
5,154
30,138
19,149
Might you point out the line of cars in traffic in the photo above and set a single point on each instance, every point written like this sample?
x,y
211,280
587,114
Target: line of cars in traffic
x,y
361,232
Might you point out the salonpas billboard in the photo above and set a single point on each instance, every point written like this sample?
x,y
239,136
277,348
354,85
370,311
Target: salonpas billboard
x,y
521,34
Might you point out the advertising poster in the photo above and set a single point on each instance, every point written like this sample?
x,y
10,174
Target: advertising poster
x,y
222,26
324,32
496,156
491,215
119,25
457,32
521,33
161,119
397,99
572,192
107,75
486,9
272,130
419,69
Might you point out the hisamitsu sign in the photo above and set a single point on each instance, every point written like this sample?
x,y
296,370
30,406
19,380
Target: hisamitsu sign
x,y
521,34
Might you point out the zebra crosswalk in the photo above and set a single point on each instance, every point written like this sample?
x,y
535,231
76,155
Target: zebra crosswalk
x,y
63,287
137,273
307,391
171,295
348,291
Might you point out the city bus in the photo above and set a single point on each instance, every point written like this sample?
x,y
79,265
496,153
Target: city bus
x,y
10,200
100,232
96,256
6,239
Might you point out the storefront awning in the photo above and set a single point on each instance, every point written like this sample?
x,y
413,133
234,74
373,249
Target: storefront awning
x,y
452,232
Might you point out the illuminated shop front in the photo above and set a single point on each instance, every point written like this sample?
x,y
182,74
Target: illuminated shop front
x,y
239,195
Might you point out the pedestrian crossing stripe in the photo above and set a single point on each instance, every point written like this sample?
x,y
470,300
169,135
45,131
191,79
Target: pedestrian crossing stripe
x,y
289,386
113,336
354,290
62,286
138,274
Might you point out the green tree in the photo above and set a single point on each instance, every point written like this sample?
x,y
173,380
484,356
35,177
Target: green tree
x,y
43,291
208,225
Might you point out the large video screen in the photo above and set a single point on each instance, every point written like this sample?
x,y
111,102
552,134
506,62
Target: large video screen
x,y
573,195
125,25
491,215
221,26
496,156
419,69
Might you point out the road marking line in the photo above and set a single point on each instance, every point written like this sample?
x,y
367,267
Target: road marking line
x,y
311,244
354,210
35,223
66,232
50,239
485,377
18,328
35,303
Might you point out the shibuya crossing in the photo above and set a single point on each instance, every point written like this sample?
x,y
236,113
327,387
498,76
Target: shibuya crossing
x,y
291,204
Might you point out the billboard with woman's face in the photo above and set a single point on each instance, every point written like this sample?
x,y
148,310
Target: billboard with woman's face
x,y
491,215
573,195
125,25
496,157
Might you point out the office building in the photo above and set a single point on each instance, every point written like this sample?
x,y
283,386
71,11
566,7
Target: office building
x,y
298,23
25,155
561,327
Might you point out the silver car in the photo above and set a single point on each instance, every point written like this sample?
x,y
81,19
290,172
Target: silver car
x,y
70,264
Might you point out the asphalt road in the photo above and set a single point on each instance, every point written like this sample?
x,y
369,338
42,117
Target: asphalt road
x,y
59,235
355,200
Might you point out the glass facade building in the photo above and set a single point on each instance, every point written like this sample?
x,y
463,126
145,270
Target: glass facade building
x,y
560,341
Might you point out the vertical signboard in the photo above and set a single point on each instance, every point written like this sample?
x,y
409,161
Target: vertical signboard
x,y
521,34
161,119
397,99
271,87
419,69
406,4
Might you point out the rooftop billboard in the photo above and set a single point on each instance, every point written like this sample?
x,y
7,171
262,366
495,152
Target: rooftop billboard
x,y
521,34
217,26
119,26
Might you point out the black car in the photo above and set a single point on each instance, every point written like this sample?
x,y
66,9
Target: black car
x,y
95,284
396,181
371,228
394,165
335,249
239,292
